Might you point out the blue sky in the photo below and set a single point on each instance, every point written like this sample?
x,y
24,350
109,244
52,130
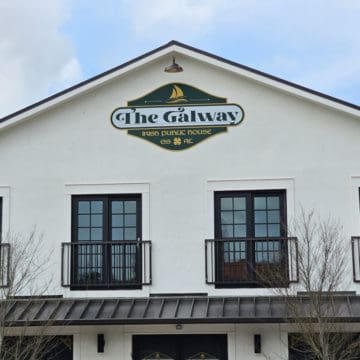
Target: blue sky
x,y
46,46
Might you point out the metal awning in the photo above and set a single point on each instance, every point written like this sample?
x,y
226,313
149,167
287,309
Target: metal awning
x,y
165,310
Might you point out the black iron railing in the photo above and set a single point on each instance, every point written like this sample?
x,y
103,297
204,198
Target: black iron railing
x,y
4,265
251,262
355,248
106,264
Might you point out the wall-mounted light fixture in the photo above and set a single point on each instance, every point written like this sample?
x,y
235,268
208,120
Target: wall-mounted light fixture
x,y
100,343
178,327
257,344
174,67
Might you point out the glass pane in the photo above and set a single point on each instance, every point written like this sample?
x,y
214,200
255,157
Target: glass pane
x,y
274,230
237,246
260,231
117,207
273,202
96,220
231,256
240,231
96,206
83,234
130,220
258,257
274,216
130,206
240,203
227,231
239,217
84,207
130,234
117,234
96,234
226,203
260,216
118,220
226,217
239,256
84,220
260,203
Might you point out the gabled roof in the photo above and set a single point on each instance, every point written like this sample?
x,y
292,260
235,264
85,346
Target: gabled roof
x,y
178,47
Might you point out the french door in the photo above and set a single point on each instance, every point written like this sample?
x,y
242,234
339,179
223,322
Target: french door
x,y
250,232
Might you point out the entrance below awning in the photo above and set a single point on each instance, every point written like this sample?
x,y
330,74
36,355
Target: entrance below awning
x,y
180,347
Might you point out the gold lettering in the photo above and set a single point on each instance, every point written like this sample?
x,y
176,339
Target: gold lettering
x,y
150,133
175,132
199,131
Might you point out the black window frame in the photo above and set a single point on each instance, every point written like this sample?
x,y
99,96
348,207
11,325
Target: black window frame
x,y
106,234
250,234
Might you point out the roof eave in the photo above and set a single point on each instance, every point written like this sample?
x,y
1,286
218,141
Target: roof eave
x,y
170,47
84,86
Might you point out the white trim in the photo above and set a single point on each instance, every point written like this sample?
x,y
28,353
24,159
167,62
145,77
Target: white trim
x,y
83,89
187,329
264,80
142,188
109,187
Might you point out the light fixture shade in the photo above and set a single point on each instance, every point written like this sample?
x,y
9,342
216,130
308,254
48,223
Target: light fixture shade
x,y
174,67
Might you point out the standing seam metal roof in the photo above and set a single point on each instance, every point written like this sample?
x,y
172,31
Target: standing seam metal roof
x,y
166,310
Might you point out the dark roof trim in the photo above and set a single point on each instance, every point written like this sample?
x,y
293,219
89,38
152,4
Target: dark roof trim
x,y
188,47
85,82
269,76
169,310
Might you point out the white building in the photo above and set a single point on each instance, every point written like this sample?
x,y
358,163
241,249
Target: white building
x,y
122,177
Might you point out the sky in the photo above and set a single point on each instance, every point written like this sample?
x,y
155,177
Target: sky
x,y
47,46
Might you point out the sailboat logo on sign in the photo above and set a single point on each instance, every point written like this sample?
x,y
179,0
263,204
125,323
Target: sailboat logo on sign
x,y
177,95
177,116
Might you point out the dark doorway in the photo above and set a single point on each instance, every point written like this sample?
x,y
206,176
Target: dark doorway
x,y
179,347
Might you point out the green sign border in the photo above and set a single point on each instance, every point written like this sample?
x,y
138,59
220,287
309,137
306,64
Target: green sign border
x,y
176,138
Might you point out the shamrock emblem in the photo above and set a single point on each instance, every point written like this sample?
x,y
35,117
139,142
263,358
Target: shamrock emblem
x,y
177,141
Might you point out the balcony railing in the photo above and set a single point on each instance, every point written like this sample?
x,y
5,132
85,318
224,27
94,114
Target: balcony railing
x,y
270,262
355,248
106,264
4,265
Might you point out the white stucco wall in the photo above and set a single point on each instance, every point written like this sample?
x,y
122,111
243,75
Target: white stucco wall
x,y
240,340
284,142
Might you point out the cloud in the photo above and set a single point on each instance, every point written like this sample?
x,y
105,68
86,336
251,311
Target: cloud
x,y
185,18
35,56
46,46
316,44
